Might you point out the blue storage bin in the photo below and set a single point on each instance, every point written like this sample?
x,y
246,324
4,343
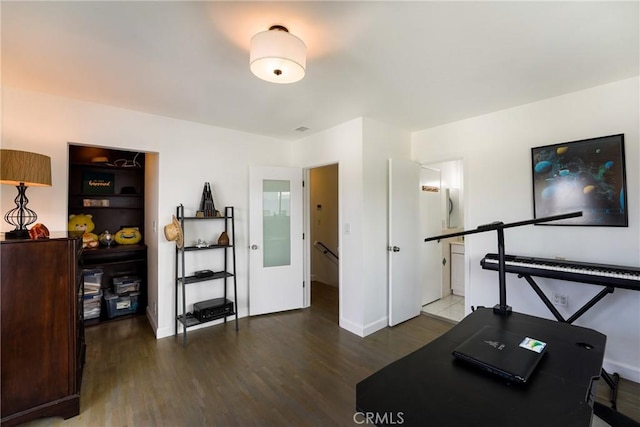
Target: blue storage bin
x,y
120,305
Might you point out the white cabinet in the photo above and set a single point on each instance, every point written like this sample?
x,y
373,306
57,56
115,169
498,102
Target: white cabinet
x,y
457,268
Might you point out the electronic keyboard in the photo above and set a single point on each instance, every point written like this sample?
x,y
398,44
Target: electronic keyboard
x,y
598,274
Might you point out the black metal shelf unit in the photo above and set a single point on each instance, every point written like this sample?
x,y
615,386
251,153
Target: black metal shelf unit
x,y
187,319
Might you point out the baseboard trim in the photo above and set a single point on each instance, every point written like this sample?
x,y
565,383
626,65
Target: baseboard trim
x,y
352,327
153,322
363,330
376,326
628,372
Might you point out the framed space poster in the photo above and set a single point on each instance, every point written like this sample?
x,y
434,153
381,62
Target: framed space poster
x,y
586,175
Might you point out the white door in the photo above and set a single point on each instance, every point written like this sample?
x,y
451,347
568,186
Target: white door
x,y
275,239
431,225
405,293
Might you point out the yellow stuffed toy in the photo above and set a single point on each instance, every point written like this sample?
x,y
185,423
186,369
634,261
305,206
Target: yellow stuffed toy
x,y
84,223
128,236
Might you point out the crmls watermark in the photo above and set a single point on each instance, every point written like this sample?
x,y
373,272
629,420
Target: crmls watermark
x,y
375,418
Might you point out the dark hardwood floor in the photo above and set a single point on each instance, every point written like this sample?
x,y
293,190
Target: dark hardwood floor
x,y
296,368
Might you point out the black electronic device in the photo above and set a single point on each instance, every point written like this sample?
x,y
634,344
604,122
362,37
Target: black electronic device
x,y
618,276
203,273
212,309
500,352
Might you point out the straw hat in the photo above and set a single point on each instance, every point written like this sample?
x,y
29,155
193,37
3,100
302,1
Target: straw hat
x,y
173,232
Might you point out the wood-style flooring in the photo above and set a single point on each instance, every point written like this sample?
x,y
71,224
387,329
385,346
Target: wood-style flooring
x,y
296,368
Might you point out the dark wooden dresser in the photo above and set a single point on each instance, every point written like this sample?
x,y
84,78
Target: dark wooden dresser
x,y
42,347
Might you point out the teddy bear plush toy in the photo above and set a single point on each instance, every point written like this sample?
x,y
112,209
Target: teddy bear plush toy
x,y
84,223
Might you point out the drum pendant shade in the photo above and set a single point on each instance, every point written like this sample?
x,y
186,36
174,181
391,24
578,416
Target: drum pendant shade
x,y
278,56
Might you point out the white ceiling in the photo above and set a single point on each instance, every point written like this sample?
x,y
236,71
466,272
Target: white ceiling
x,y
412,64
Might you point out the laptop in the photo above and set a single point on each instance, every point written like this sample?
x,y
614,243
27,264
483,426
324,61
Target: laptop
x,y
507,354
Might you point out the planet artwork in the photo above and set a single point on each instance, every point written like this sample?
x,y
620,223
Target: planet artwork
x,y
585,176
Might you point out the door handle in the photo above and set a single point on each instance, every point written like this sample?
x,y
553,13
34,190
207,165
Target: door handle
x,y
254,247
393,249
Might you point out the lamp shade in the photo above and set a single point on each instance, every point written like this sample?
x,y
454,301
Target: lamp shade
x,y
21,167
278,56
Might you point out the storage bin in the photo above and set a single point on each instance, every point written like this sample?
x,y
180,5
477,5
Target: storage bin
x,y
93,277
126,284
91,306
120,305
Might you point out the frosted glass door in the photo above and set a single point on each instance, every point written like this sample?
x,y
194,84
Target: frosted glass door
x,y
275,240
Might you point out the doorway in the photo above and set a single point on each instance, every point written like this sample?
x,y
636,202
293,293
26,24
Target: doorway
x,y
114,189
323,238
443,268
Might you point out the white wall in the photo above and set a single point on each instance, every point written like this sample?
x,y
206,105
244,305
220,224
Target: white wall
x,y
343,145
495,149
361,148
188,154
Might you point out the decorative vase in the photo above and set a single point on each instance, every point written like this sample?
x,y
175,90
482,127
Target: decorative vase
x,y
223,240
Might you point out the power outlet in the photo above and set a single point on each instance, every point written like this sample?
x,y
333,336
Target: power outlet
x,y
560,300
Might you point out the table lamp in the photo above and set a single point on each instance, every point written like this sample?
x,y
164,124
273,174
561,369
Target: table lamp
x,y
23,170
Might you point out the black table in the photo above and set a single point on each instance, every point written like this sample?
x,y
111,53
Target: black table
x,y
430,388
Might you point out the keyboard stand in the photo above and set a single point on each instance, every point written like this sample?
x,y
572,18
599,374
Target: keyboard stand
x,y
612,380
607,290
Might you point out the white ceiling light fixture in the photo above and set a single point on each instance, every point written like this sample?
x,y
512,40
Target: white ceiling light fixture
x,y
278,56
